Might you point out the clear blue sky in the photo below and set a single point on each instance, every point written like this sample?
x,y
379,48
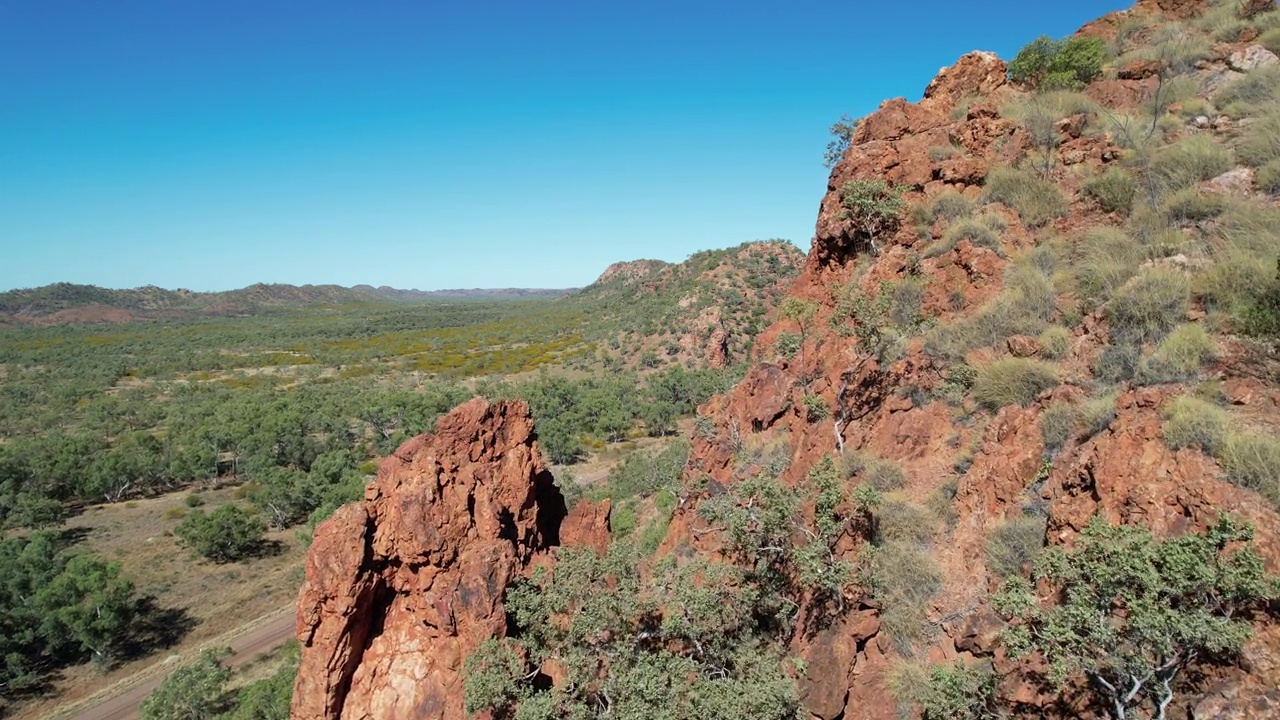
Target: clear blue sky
x,y
440,143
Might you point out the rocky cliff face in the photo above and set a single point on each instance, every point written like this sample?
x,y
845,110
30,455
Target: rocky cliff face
x,y
885,407
401,587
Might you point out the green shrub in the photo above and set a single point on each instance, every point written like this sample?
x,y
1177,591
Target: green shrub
x,y
196,690
227,535
1013,381
1113,190
788,344
958,691
1178,357
1050,64
1055,342
1121,608
872,206
1252,460
1014,544
1189,205
1192,422
644,473
1268,178
841,136
1149,305
815,407
1036,199
1056,426
193,501
1189,160
1259,144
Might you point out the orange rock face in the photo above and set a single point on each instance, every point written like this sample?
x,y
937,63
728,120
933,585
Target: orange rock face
x,y
401,587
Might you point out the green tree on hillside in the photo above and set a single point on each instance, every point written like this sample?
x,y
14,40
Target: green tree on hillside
x,y
1049,64
1129,612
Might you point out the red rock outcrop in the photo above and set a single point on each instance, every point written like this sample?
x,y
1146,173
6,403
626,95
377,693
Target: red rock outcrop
x,y
401,587
996,465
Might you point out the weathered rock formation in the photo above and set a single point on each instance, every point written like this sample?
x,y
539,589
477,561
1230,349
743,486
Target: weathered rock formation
x,y
401,587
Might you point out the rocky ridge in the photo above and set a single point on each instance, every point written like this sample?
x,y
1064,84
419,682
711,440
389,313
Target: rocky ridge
x,y
381,639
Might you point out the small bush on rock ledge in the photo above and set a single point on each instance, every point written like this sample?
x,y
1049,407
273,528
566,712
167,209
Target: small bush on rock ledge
x,y
872,206
1050,64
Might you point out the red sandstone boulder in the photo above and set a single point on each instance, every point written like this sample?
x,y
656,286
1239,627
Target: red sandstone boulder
x,y
401,587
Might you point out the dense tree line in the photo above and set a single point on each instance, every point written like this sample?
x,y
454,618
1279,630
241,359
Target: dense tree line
x,y
58,607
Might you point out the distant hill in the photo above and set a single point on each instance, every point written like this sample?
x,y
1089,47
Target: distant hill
x,y
62,303
707,308
390,293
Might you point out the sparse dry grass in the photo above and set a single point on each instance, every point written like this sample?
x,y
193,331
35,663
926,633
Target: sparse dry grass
x,y
1189,160
1268,178
1096,414
1232,281
949,205
1055,342
1249,94
1149,305
1190,205
1192,422
1013,381
1252,459
898,520
1107,258
1113,190
1014,544
1056,425
1036,199
974,230
882,474
1259,144
1179,357
1025,307
904,578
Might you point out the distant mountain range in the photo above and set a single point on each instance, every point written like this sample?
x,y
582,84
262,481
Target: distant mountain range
x,y
62,303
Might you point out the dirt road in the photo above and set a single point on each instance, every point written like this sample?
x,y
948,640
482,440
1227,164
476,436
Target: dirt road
x,y
246,644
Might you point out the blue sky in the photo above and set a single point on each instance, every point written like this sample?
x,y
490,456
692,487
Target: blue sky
x,y
440,143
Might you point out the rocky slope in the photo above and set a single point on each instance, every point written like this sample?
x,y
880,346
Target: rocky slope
x,y
705,309
884,387
885,407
